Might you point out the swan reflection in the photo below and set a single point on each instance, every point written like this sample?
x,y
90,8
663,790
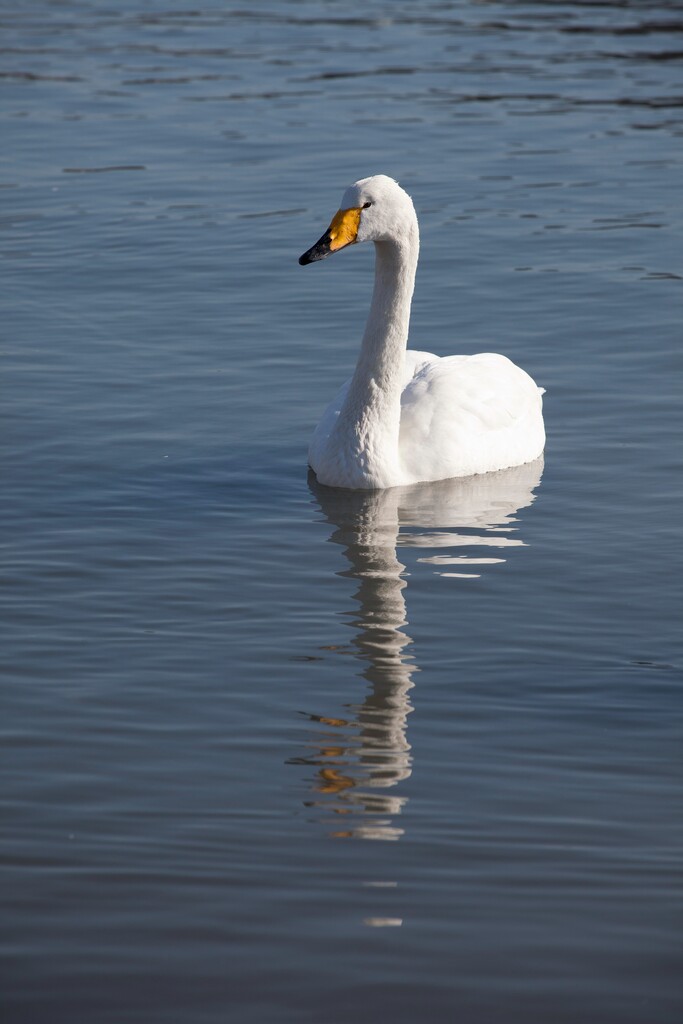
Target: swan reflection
x,y
363,754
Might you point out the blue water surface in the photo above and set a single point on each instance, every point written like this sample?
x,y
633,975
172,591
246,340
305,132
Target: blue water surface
x,y
280,753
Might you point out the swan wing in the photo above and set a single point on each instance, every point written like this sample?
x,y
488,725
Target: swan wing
x,y
468,414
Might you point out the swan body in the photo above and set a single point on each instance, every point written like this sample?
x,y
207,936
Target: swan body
x,y
408,417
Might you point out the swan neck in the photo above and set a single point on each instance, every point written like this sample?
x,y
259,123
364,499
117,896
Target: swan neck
x,y
367,430
386,331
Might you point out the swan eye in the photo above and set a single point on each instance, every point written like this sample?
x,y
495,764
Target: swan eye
x,y
365,206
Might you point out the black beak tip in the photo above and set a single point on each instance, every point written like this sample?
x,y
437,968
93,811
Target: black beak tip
x,y
313,255
319,251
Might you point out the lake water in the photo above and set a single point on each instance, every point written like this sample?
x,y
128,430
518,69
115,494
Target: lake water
x,y
280,753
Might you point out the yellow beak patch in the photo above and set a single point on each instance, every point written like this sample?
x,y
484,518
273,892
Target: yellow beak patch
x,y
342,232
344,228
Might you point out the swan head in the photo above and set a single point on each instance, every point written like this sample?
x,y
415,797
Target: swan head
x,y
373,209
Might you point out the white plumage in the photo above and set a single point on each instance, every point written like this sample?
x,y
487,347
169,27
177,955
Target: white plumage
x,y
405,416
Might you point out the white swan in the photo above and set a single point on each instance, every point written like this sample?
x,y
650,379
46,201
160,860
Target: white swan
x,y
408,417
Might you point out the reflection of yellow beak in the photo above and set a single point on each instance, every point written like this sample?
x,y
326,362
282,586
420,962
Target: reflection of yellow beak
x,y
332,781
341,232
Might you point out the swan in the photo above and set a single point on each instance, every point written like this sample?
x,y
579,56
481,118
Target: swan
x,y
409,417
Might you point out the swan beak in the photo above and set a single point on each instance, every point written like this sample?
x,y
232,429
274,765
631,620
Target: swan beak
x,y
341,232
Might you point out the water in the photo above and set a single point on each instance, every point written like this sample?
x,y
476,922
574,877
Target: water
x,y
278,753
